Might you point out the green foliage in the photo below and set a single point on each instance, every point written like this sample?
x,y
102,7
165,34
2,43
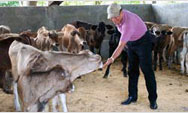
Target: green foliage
x,y
128,2
74,3
134,2
98,2
41,3
66,3
9,3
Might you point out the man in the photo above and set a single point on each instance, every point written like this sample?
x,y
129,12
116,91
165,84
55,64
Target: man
x,y
135,36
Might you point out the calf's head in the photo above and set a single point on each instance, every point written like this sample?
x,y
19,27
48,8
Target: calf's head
x,y
4,29
47,37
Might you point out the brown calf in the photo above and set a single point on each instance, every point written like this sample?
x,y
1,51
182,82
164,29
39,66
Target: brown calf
x,y
70,40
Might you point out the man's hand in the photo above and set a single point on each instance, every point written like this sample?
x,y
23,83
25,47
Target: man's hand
x,y
109,61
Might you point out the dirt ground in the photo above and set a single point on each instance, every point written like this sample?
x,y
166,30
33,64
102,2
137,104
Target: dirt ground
x,y
95,94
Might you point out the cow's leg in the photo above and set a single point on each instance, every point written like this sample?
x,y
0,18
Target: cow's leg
x,y
186,63
2,79
46,108
92,49
169,62
55,103
8,82
160,61
186,56
174,57
182,60
55,100
41,106
107,72
164,54
167,54
63,101
99,50
16,97
177,57
170,58
111,50
124,59
72,89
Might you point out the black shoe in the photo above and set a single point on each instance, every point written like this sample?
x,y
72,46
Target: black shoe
x,y
153,105
128,101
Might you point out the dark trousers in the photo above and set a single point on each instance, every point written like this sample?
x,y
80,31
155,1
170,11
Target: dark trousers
x,y
140,54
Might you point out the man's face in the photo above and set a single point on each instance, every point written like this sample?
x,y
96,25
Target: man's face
x,y
117,20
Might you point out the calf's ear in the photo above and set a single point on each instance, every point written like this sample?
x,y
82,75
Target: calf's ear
x,y
73,33
94,27
163,32
109,26
53,34
169,32
110,32
60,34
157,32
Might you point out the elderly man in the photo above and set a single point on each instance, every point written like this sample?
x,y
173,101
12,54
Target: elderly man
x,y
135,36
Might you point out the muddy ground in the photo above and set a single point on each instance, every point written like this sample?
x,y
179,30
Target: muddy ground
x,y
95,94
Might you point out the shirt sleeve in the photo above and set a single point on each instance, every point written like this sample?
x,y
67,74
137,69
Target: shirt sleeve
x,y
127,31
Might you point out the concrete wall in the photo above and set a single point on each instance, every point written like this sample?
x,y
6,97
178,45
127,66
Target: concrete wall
x,y
172,14
19,19
23,18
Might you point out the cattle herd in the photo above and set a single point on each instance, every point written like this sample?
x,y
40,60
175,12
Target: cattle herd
x,y
42,65
169,45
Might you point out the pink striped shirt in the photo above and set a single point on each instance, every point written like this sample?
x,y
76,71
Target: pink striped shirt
x,y
132,27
